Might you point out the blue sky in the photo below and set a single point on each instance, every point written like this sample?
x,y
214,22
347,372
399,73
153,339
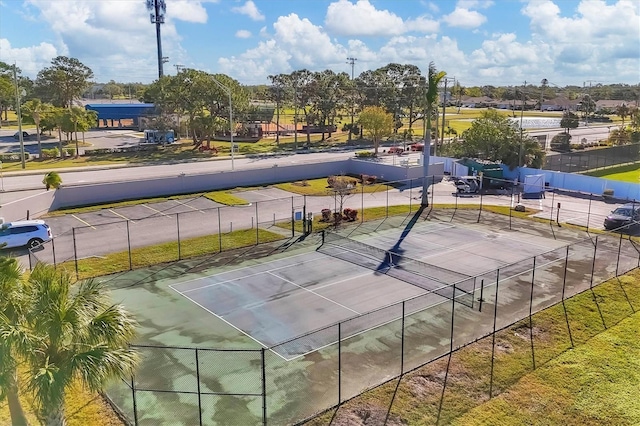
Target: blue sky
x,y
498,42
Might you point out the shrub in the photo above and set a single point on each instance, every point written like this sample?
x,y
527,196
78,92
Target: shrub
x,y
69,152
350,215
50,153
337,217
365,154
326,215
368,179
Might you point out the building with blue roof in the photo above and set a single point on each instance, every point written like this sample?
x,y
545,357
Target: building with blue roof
x,y
121,116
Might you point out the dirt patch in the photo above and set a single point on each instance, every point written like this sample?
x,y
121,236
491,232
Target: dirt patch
x,y
367,415
422,385
524,332
300,183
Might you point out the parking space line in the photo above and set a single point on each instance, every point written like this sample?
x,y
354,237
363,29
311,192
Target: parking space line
x,y
187,205
155,210
86,223
118,214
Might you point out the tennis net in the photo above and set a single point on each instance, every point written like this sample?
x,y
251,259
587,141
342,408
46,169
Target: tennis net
x,y
387,262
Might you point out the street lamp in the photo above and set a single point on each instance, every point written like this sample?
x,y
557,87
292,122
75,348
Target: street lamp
x,y
228,92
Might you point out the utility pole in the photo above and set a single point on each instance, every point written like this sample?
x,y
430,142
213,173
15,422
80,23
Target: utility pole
x,y
521,122
444,107
158,8
178,68
352,62
19,114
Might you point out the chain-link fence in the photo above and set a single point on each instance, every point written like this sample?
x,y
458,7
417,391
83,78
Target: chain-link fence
x,y
333,364
243,387
581,161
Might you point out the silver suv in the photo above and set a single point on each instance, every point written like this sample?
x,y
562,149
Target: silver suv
x,y
29,233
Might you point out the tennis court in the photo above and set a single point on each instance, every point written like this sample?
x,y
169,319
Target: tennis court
x,y
275,302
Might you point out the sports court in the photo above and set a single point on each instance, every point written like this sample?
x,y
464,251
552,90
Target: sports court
x,y
347,276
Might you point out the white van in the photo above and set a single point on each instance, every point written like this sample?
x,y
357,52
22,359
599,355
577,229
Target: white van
x,y
30,233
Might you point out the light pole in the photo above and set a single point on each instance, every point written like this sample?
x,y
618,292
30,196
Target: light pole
x,y
228,92
352,62
19,94
444,107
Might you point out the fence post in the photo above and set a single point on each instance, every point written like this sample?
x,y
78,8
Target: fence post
x,y
593,263
410,194
362,203
178,230
480,211
198,387
493,335
264,387
481,295
129,246
402,343
219,232
258,226
453,311
433,180
75,252
53,249
30,262
553,197
386,216
135,405
304,215
589,212
339,363
533,279
293,219
618,257
510,207
564,284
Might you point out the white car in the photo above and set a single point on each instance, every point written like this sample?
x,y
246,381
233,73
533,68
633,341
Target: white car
x,y
30,233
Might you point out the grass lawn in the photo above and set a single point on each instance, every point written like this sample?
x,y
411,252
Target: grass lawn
x,y
320,187
627,173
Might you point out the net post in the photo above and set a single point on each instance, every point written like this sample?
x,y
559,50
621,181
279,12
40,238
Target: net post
x,y
339,363
198,387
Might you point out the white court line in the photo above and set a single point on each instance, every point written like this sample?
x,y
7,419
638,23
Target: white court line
x,y
313,292
155,210
187,205
245,276
86,223
227,322
118,214
244,267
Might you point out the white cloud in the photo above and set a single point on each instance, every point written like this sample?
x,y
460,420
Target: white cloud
x,y
249,9
243,34
115,39
30,59
464,18
361,18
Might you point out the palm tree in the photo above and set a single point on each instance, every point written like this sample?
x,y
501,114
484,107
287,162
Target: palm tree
x,y
52,180
79,335
12,310
35,109
433,80
623,111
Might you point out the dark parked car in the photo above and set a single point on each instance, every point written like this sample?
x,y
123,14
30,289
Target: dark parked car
x,y
16,135
624,217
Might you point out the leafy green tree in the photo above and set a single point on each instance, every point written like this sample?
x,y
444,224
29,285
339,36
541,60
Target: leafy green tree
x,y
112,89
36,109
329,96
620,137
376,124
623,111
62,82
279,93
76,335
54,119
494,137
433,81
13,307
569,121
561,142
